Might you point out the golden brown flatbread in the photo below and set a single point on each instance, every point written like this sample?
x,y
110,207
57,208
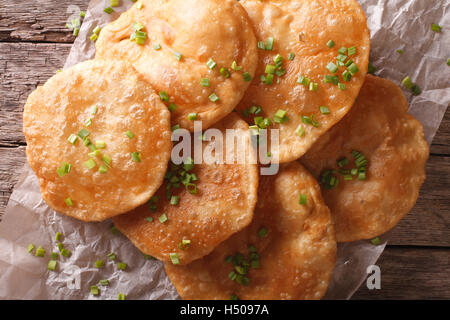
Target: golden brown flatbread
x,y
97,177
301,31
223,205
392,142
188,35
287,252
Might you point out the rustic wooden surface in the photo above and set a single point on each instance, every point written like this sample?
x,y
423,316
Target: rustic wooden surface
x,y
34,44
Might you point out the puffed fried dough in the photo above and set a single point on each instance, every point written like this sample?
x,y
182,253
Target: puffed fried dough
x,y
393,143
200,30
296,257
304,27
224,204
124,101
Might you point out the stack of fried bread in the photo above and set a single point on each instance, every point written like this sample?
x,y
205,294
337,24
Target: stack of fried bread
x,y
287,75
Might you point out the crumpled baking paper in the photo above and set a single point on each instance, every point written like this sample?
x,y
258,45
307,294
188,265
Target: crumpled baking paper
x,y
400,24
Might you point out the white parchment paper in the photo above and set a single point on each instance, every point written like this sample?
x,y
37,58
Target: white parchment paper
x,y
399,24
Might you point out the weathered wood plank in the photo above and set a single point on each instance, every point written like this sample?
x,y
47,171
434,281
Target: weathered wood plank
x,y
411,273
11,162
23,66
43,20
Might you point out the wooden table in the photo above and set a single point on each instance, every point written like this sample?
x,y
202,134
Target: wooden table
x,y
34,44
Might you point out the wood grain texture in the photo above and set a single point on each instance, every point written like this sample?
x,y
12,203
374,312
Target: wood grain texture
x,y
38,20
411,273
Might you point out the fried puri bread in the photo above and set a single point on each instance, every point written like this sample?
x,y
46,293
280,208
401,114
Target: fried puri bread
x,y
312,54
75,126
192,224
189,50
287,252
388,145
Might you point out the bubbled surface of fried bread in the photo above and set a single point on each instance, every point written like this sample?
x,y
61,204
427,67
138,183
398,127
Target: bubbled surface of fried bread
x,y
125,101
392,142
199,30
296,257
304,27
223,205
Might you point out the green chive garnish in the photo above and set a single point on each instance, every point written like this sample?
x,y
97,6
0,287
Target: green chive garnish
x,y
83,133
121,266
291,56
136,156
30,248
95,291
213,97
269,43
121,296
351,51
376,241
211,64
407,83
164,96
73,139
435,27
40,252
262,233
205,82
129,134
324,110
174,257
247,77
192,116
108,10
156,46
174,200
104,282
303,199
332,67
68,202
52,265
330,44
163,218
99,264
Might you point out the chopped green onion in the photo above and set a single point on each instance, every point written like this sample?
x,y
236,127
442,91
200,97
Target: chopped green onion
x,y
113,229
235,67
136,156
174,200
399,51
351,51
108,10
112,256
205,82
121,266
93,37
100,144
82,14
177,55
95,291
313,86
341,57
342,50
280,116
303,199
60,246
300,131
211,64
352,69
114,3
435,27
330,44
324,110
174,257
129,134
407,83
99,264
68,202
72,139
247,77
52,265
121,296
64,169
30,248
54,255
192,116
270,68
416,90
103,169
448,62
343,162
106,159
156,46
94,154
83,133
371,69
163,218
96,31
346,75
225,72
291,56
191,188
164,96
269,79
175,127
104,282
213,97
332,67
58,236
376,241
262,233
90,164
269,43
40,252
149,219
342,86
76,31
261,45
172,107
